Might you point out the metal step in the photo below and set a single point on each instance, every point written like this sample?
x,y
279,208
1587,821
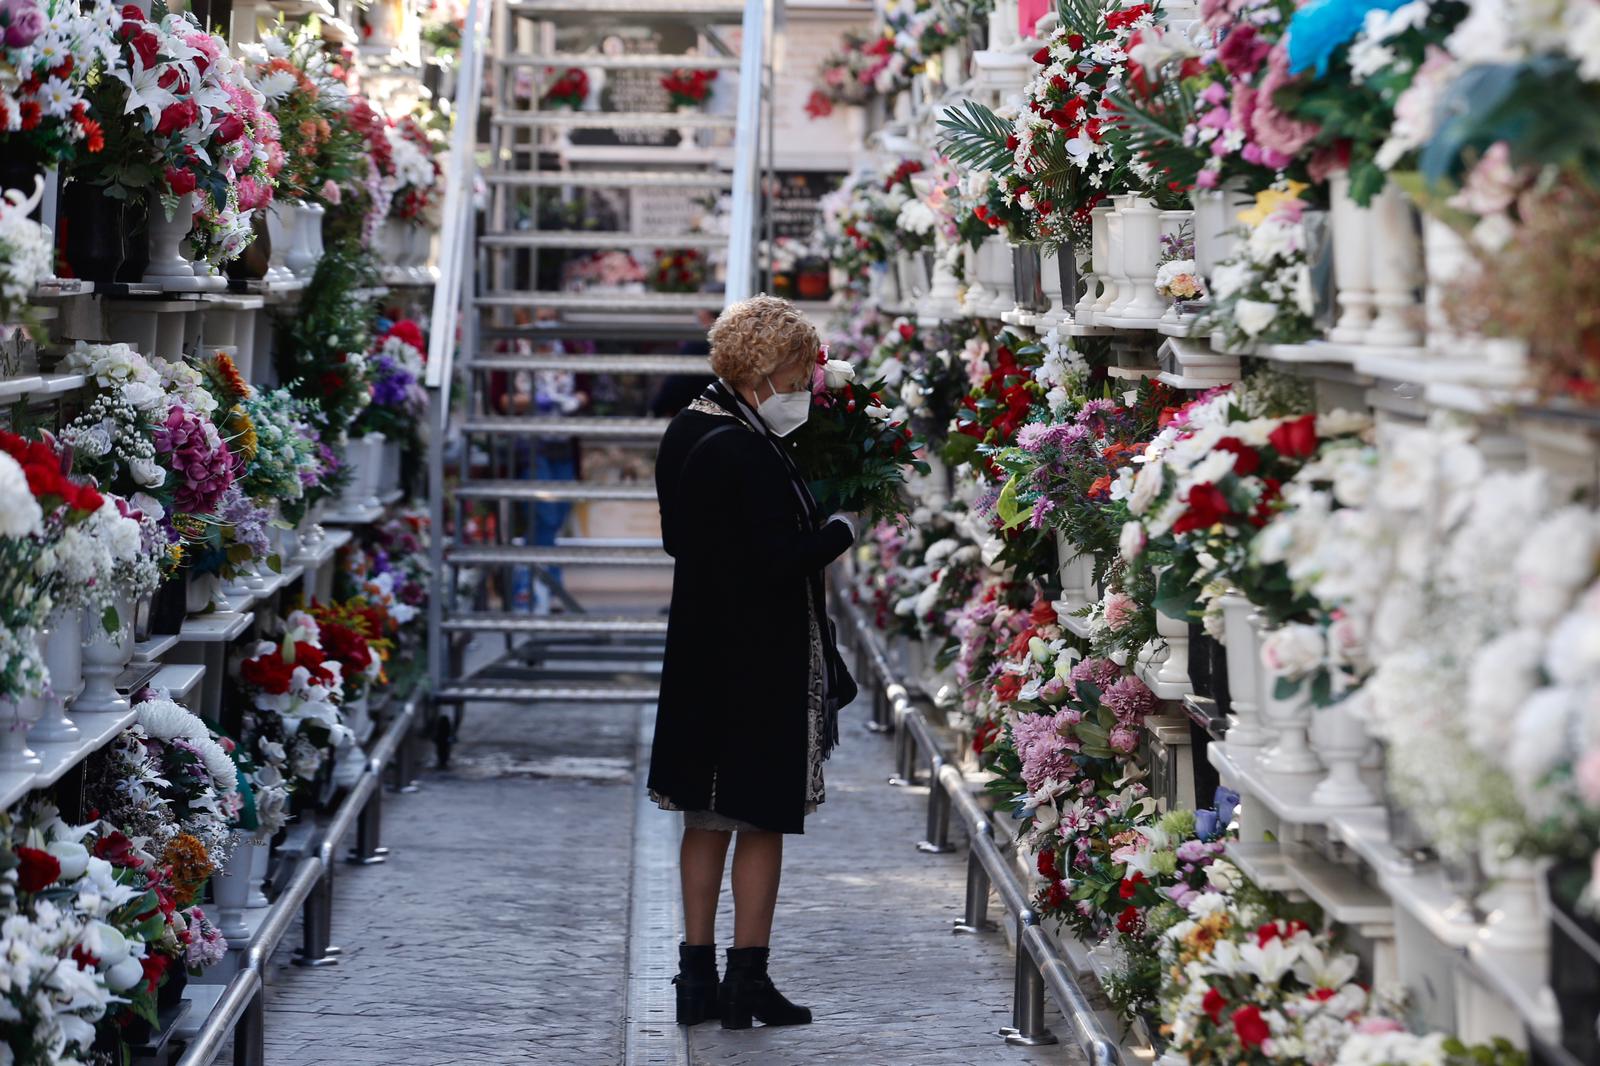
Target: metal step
x,y
547,692
602,12
608,302
632,120
638,179
593,427
514,555
595,364
558,625
640,328
552,490
592,61
585,239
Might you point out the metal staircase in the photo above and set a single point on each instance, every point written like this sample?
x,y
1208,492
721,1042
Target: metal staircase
x,y
485,644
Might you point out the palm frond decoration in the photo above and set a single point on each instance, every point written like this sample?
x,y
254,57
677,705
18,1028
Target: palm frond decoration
x,y
1081,16
975,137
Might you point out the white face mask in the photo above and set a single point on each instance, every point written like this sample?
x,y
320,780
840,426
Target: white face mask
x,y
784,412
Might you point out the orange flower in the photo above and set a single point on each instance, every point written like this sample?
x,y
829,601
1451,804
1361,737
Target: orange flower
x,y
189,865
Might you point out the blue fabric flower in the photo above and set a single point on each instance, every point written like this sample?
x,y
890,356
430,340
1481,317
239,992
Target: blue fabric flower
x,y
1317,30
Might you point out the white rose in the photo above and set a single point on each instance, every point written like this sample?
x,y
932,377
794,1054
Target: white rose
x,y
1254,316
1294,650
1131,542
73,857
1147,485
1223,876
124,975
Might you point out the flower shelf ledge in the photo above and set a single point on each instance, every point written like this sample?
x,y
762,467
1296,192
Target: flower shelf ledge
x,y
1286,795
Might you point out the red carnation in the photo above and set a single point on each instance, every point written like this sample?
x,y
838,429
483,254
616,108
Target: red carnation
x,y
1057,896
269,673
1047,864
1250,1027
983,736
39,869
1296,439
1130,886
1007,687
1129,920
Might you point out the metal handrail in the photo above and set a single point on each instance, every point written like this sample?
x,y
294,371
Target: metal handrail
x,y
455,219
746,145
947,779
241,995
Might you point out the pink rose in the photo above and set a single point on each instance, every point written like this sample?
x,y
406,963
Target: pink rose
x,y
330,192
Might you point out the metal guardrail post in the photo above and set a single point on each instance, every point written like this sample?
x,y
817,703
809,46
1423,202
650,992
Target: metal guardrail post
x,y
905,751
975,917
316,925
1027,1028
938,839
369,850
249,1033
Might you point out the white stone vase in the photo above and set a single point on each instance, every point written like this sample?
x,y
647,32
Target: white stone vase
x,y
1245,726
1141,249
168,267
1352,261
941,301
16,719
301,258
105,656
280,232
1077,572
317,215
230,887
61,644
977,294
1050,281
1119,290
1097,280
1396,253
1341,742
999,277
1290,718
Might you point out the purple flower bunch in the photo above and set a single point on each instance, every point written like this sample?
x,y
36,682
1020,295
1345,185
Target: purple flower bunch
x,y
248,521
393,385
192,450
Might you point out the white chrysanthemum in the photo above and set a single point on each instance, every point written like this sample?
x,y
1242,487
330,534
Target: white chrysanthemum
x,y
163,720
219,764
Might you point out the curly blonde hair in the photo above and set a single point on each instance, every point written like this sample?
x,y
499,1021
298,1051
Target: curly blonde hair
x,y
759,336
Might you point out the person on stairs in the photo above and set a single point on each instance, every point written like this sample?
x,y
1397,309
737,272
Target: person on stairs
x,y
751,680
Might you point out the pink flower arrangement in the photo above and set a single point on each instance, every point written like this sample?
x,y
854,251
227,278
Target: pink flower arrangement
x,y
190,447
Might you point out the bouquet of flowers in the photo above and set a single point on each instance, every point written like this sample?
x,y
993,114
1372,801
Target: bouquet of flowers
x,y
688,88
294,690
1003,392
678,270
47,49
40,503
26,255
303,90
848,75
352,635
570,89
853,455
1264,294
414,149
322,344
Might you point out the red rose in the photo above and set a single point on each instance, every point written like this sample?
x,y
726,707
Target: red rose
x,y
1250,1027
1129,920
116,849
269,673
180,181
1130,886
1246,460
1007,687
145,46
1057,896
1271,493
1047,865
1042,57
983,736
1074,41
907,331
1296,439
1012,141
230,129
39,869
1207,507
175,117
1213,1004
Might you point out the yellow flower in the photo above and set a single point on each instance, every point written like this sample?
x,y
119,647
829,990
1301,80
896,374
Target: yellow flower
x,y
1269,200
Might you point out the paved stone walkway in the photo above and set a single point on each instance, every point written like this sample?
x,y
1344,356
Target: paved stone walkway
x,y
497,933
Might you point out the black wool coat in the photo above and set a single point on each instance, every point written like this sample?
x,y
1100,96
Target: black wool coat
x,y
732,718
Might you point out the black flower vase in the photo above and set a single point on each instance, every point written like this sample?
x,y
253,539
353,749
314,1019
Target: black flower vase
x,y
171,990
254,261
169,606
102,238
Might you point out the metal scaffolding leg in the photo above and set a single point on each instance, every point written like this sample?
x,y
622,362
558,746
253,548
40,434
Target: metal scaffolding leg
x,y
976,917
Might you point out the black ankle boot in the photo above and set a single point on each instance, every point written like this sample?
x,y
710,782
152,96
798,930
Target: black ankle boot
x,y
697,983
747,993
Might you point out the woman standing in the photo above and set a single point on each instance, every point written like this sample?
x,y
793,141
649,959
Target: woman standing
x,y
752,681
